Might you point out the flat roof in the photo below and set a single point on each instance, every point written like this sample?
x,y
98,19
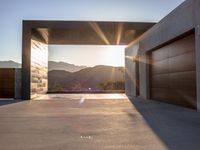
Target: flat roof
x,y
86,32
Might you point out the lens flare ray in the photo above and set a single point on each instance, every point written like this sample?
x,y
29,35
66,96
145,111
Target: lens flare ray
x,y
99,32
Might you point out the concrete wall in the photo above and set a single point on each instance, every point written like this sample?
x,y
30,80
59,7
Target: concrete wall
x,y
197,44
39,68
130,73
143,73
18,83
178,22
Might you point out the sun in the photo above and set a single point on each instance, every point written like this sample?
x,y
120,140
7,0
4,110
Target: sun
x,y
114,55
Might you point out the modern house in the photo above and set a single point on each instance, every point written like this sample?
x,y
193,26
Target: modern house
x,y
161,59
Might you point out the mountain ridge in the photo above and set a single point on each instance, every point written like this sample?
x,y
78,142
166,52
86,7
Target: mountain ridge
x,y
9,64
64,66
88,78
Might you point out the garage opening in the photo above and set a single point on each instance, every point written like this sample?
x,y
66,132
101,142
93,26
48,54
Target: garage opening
x,y
173,73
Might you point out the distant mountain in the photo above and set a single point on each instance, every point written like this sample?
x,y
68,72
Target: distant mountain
x,y
88,78
64,66
9,64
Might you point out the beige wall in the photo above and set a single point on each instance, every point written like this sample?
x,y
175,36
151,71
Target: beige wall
x,y
39,68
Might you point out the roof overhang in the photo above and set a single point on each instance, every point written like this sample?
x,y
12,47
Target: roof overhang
x,y
86,32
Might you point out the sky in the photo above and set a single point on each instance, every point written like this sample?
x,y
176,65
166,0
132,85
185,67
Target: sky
x,y
12,12
88,55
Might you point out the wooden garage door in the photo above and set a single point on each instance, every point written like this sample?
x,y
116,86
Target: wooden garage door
x,y
7,80
173,73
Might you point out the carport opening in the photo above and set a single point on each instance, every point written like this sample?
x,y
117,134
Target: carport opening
x,y
39,36
86,69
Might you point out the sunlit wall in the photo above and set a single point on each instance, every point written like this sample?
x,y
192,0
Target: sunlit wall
x,y
39,68
130,71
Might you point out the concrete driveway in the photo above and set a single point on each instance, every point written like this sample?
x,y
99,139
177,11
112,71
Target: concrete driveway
x,y
96,122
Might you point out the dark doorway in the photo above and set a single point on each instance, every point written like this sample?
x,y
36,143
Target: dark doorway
x,y
137,76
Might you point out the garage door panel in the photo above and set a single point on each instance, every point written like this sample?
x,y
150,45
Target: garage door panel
x,y
160,81
160,94
7,84
182,80
160,55
5,78
7,72
6,75
173,78
181,63
6,93
160,67
178,48
185,98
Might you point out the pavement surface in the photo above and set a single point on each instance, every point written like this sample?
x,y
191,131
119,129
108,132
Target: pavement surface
x,y
96,122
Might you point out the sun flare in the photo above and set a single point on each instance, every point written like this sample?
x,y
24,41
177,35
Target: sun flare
x,y
110,55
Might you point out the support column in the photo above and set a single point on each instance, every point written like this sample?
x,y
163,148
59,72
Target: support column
x,y
197,45
26,46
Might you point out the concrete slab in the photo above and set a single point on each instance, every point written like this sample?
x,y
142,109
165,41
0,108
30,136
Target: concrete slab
x,y
65,123
81,96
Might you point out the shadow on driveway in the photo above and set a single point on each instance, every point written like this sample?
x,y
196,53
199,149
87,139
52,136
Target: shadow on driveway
x,y
177,127
7,102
